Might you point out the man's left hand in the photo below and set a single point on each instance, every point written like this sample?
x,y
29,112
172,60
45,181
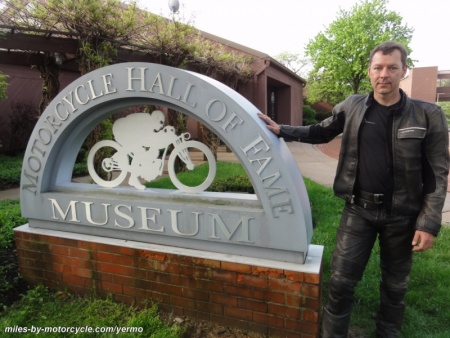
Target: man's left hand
x,y
422,241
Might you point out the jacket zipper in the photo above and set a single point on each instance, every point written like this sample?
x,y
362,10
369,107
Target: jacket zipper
x,y
394,169
352,198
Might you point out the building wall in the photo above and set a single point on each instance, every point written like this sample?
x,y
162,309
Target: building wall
x,y
420,83
289,96
24,87
25,84
443,89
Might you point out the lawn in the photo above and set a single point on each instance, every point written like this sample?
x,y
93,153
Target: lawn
x,y
427,313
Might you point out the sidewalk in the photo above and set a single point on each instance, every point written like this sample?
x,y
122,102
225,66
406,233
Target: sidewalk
x,y
316,162
319,163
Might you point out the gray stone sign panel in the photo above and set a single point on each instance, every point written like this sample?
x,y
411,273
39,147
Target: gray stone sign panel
x,y
274,223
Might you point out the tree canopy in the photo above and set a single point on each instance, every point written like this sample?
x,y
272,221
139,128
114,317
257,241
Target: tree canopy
x,y
103,28
340,54
294,62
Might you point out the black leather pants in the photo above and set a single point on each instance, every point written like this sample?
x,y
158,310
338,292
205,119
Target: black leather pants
x,y
355,239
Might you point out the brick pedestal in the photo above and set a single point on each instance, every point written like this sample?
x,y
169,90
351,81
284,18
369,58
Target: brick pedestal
x,y
273,298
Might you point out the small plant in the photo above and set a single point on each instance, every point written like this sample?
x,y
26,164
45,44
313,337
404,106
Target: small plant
x,y
239,183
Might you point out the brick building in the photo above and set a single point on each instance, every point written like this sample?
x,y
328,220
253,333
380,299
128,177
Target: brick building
x,y
428,84
273,88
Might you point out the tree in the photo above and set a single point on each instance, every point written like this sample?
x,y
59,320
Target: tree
x,y
102,27
177,43
340,55
294,62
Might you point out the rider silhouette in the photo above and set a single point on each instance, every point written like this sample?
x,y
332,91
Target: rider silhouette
x,y
141,136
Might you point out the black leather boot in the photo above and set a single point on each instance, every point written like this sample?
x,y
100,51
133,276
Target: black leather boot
x,y
335,326
336,315
392,307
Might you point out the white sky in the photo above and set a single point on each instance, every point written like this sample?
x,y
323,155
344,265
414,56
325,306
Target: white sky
x,y
272,27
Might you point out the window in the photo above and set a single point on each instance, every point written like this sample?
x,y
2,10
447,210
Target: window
x,y
443,83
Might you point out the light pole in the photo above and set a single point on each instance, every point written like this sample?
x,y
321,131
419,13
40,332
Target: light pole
x,y
174,5
272,101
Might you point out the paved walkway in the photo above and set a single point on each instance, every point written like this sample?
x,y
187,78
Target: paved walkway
x,y
316,162
319,162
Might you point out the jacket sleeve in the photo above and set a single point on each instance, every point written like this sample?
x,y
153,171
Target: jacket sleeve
x,y
322,132
435,173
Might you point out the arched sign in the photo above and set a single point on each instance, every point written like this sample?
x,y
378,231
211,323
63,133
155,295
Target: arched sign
x,y
274,223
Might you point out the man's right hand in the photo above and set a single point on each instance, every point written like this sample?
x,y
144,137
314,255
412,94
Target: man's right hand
x,y
271,125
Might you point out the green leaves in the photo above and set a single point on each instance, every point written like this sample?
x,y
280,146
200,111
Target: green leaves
x,y
340,54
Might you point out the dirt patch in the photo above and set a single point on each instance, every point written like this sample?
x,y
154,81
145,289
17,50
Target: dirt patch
x,y
204,329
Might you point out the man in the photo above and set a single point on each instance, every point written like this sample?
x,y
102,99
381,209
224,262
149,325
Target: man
x,y
392,173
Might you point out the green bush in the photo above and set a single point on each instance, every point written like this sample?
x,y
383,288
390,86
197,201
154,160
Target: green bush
x,y
11,283
10,218
237,183
80,169
10,169
322,116
308,115
446,107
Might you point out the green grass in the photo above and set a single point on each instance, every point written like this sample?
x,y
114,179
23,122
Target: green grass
x,y
224,171
11,168
42,308
427,314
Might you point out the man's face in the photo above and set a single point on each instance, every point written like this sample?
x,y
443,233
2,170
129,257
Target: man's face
x,y
385,73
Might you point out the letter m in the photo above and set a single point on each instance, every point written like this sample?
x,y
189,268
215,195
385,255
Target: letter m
x,y
71,208
243,223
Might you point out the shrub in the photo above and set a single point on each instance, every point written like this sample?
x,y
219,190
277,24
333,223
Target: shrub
x,y
10,169
446,107
22,120
322,116
308,115
237,183
10,218
11,283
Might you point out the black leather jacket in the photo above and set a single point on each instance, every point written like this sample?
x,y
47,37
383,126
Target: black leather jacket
x,y
419,150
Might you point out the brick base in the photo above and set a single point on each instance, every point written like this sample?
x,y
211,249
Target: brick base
x,y
273,298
